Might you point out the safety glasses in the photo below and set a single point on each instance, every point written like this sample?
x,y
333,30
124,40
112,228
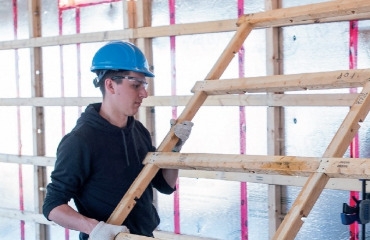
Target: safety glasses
x,y
138,82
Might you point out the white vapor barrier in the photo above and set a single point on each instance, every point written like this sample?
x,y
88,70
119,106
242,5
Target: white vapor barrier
x,y
313,48
363,44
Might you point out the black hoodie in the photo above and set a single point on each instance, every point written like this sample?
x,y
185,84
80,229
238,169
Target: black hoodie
x,y
96,164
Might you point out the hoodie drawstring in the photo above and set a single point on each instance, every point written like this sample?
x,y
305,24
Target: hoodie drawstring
x,y
136,153
125,147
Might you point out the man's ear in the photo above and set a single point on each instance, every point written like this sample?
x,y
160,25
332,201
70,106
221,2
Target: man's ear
x,y
109,85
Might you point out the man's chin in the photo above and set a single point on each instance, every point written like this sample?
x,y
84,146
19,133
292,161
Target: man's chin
x,y
133,112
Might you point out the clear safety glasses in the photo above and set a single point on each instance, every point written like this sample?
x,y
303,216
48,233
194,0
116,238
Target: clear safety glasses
x,y
139,83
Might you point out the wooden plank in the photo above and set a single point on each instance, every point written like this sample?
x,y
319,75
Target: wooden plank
x,y
335,183
38,125
321,99
317,181
259,178
160,235
275,131
275,146
174,236
127,236
311,13
146,115
361,7
45,101
275,120
135,191
125,34
260,164
34,160
283,83
284,100
29,217
274,208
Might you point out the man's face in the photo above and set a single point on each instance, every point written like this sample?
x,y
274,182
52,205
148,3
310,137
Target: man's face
x,y
128,95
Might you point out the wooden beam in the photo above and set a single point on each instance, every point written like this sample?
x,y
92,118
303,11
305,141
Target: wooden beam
x,y
282,83
38,124
338,10
358,168
125,34
275,119
34,160
174,236
127,236
29,217
146,115
336,183
160,235
259,164
359,8
346,184
45,101
323,100
317,181
137,188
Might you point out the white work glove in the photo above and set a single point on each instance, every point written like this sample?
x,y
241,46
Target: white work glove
x,y
182,131
105,231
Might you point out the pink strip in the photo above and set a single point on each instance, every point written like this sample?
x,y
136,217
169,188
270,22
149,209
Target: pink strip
x,y
176,200
354,146
78,30
60,23
242,134
20,171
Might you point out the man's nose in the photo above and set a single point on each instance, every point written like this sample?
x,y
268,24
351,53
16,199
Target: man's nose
x,y
143,93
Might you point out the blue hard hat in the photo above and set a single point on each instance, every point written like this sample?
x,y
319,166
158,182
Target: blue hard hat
x,y
119,55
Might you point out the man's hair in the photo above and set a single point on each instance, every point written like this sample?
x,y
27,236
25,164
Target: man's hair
x,y
109,74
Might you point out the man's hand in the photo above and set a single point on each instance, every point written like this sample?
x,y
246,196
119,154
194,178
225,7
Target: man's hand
x,y
182,131
105,231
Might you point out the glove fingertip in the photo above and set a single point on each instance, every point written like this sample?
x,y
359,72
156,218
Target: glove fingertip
x,y
189,123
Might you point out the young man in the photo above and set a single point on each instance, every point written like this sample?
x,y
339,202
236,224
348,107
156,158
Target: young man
x,y
100,158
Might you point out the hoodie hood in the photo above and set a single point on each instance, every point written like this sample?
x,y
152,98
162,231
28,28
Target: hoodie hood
x,y
92,118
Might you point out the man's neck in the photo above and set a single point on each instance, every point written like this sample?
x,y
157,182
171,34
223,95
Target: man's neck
x,y
112,116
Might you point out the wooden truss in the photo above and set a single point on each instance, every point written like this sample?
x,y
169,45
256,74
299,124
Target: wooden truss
x,y
319,170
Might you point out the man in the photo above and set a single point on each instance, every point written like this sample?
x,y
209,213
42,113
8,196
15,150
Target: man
x,y
100,158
